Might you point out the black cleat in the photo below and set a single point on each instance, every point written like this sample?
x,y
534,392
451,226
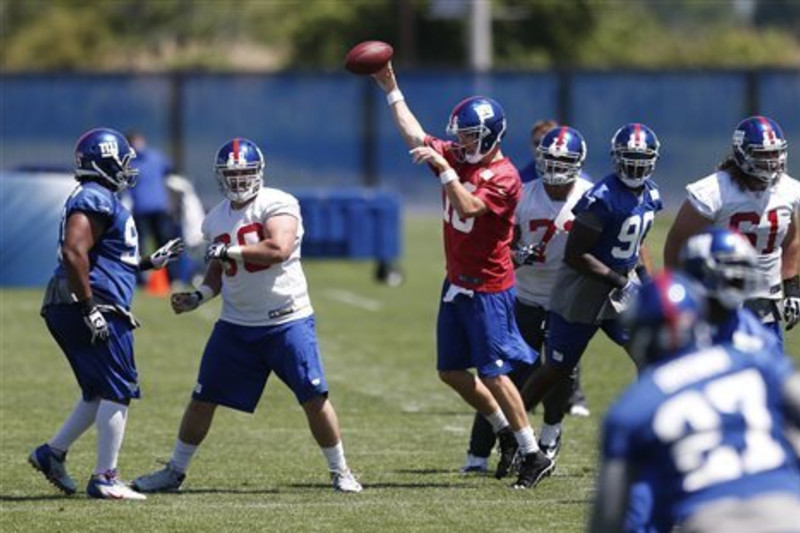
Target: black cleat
x,y
551,450
508,449
534,467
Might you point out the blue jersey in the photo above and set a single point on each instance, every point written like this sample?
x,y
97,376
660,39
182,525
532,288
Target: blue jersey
x,y
746,332
114,258
623,218
707,425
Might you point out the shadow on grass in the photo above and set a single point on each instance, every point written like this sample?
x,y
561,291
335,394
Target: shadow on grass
x,y
39,498
386,486
222,491
425,471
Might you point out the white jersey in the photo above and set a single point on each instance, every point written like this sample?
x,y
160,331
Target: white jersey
x,y
258,295
544,223
762,216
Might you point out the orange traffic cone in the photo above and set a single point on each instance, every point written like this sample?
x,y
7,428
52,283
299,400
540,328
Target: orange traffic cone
x,y
158,283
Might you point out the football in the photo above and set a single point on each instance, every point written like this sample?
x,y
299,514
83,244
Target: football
x,y
368,57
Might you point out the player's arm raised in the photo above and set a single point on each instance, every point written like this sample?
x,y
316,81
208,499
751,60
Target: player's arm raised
x,y
689,222
466,204
585,232
407,123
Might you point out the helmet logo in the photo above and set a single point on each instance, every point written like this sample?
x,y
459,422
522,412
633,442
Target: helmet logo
x,y
484,111
109,149
236,159
637,140
738,137
559,146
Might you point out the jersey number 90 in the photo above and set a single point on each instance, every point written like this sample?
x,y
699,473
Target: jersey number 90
x,y
631,235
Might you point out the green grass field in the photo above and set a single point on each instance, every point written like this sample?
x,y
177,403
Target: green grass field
x,y
405,433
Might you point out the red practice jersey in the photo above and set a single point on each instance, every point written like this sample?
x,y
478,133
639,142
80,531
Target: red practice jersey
x,y
478,250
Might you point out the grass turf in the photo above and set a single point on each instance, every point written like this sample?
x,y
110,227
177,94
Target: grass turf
x,y
405,433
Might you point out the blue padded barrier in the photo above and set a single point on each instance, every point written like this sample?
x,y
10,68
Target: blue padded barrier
x,y
351,223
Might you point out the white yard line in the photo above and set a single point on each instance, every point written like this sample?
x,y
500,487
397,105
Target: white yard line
x,y
351,298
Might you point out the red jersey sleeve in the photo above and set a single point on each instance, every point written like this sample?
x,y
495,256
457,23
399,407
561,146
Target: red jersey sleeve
x,y
444,148
499,187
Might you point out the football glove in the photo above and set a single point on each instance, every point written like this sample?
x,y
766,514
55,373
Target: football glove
x,y
217,250
791,311
621,298
791,302
95,321
527,255
167,253
183,302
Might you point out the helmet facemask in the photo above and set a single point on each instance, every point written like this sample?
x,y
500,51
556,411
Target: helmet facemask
x,y
240,184
469,142
762,163
634,167
558,169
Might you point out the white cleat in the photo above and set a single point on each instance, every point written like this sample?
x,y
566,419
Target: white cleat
x,y
165,480
345,482
107,486
475,465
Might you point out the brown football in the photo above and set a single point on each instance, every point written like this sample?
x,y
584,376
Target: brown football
x,y
368,57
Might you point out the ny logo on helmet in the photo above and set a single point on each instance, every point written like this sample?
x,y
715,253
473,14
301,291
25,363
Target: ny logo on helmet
x,y
109,148
484,111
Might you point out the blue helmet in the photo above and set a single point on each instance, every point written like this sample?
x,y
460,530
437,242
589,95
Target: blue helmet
x,y
560,155
725,263
667,317
478,123
239,167
105,155
760,149
634,150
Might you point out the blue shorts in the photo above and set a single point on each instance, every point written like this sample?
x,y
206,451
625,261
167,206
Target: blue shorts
x,y
480,332
566,341
238,360
104,370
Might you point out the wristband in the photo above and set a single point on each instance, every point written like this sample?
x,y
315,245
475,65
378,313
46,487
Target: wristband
x,y
204,293
447,176
394,96
791,287
616,279
87,305
234,252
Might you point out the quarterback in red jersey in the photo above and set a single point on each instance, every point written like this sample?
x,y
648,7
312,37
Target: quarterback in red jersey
x,y
476,326
477,249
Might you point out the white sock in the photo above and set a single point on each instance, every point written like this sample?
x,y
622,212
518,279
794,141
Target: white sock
x,y
182,455
526,440
335,457
498,420
110,421
81,419
549,434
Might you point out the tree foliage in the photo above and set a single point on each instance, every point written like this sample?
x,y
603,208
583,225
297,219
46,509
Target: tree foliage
x,y
119,35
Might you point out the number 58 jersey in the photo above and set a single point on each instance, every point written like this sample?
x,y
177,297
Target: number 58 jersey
x,y
761,216
259,295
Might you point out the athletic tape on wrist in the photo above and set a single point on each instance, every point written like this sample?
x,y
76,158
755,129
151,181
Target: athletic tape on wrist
x,y
394,96
447,176
206,293
234,252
